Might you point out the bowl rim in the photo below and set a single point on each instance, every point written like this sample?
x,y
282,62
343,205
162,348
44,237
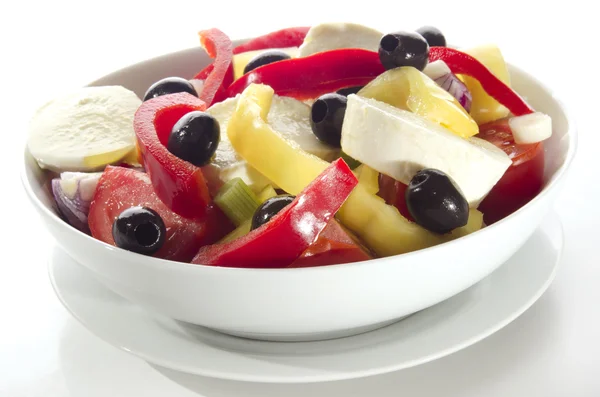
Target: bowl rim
x,y
558,175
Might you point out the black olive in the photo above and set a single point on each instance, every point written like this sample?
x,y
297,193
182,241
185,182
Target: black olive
x,y
352,162
349,90
403,49
170,85
327,116
435,202
195,138
139,229
269,209
265,58
433,36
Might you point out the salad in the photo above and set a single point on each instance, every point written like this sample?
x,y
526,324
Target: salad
x,y
303,147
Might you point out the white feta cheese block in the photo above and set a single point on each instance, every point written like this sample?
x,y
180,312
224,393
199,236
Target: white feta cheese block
x,y
531,128
288,116
331,36
400,143
84,130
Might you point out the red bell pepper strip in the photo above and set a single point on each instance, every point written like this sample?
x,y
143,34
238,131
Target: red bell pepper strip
x,y
290,37
179,184
218,75
284,38
279,242
462,63
314,75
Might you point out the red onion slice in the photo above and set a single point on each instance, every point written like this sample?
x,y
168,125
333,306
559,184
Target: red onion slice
x,y
457,89
73,193
439,72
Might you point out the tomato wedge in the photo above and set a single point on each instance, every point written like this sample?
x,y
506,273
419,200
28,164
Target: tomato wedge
x,y
521,182
120,188
393,192
335,246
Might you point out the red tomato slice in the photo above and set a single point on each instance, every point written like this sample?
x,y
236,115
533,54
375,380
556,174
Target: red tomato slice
x,y
393,192
335,245
521,182
120,188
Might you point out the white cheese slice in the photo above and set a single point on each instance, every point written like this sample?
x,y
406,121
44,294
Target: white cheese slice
x,y
288,116
331,36
84,130
400,143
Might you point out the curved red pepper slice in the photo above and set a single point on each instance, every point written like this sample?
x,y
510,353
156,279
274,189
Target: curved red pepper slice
x,y
178,184
218,75
279,242
314,75
462,63
289,37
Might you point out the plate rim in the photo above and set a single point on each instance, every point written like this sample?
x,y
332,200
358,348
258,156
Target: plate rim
x,y
325,376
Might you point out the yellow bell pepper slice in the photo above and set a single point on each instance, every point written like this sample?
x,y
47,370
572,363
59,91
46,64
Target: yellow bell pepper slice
x,y
368,177
266,193
409,89
484,108
380,226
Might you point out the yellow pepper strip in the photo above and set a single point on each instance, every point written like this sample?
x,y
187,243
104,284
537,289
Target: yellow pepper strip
x,y
380,226
484,108
368,177
409,89
269,152
266,193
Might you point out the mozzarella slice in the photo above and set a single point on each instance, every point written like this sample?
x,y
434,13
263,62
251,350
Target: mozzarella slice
x,y
400,143
531,128
84,130
287,116
331,36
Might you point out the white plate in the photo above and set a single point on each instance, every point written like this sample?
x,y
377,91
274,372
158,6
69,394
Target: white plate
x,y
430,334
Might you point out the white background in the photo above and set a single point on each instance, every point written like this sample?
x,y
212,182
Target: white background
x,y
51,46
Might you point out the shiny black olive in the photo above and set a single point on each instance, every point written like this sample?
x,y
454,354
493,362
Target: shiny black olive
x,y
170,85
269,209
435,202
349,90
265,58
139,229
327,116
433,36
195,138
403,49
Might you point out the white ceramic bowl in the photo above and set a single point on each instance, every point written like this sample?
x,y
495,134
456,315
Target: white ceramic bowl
x,y
307,303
